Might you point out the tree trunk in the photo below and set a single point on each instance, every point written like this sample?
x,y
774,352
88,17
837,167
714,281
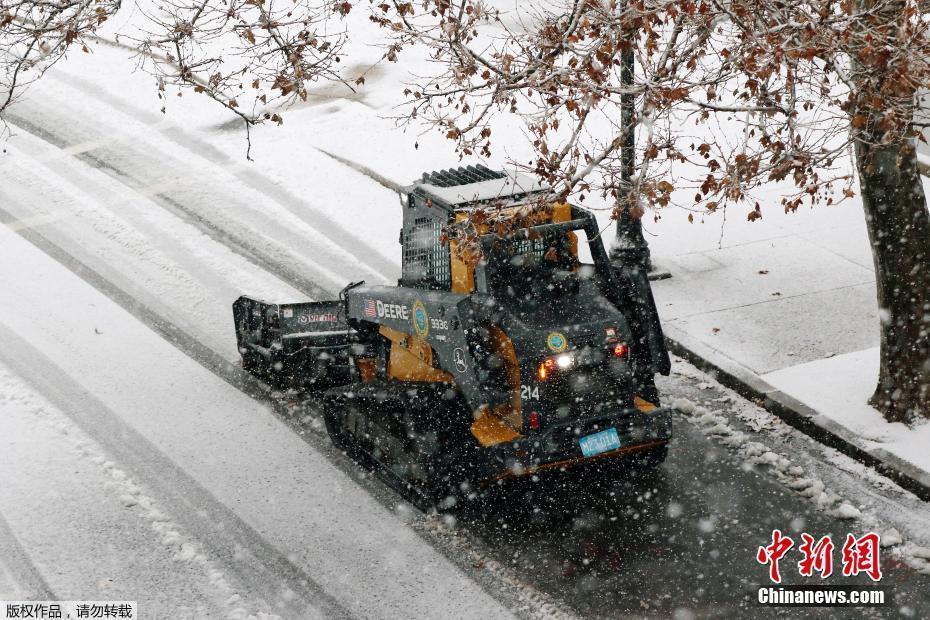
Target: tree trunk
x,y
899,230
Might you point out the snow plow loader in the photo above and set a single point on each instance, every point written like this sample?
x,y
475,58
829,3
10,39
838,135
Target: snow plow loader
x,y
532,354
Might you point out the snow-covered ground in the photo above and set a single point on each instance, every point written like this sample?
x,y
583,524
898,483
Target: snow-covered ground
x,y
839,388
70,505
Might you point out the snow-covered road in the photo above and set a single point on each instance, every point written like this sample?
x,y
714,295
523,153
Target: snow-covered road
x,y
168,217
67,505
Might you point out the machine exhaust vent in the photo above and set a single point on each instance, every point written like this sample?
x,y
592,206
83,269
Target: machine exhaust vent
x,y
461,176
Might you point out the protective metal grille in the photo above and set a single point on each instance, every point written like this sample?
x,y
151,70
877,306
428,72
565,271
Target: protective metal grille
x,y
426,259
522,247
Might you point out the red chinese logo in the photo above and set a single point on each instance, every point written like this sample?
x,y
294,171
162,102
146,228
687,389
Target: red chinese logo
x,y
817,557
859,555
774,552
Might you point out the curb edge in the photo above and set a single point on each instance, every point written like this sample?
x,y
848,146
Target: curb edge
x,y
796,414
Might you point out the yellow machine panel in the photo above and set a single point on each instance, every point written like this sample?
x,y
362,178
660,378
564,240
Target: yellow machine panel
x,y
499,424
411,358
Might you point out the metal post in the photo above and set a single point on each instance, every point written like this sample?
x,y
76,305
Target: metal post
x,y
630,248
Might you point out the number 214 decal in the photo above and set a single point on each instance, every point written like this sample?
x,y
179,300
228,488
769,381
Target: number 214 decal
x,y
529,392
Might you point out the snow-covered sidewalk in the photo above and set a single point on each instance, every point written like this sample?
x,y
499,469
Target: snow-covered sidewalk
x,y
788,301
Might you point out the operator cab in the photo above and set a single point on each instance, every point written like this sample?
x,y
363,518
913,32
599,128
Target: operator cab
x,y
531,273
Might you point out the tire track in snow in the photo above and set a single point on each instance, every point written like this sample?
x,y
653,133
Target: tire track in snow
x,y
176,336
20,565
98,509
156,256
257,256
294,204
193,504
219,530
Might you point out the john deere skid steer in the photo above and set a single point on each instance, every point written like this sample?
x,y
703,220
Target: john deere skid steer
x,y
480,365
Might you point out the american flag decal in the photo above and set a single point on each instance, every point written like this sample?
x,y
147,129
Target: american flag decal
x,y
370,310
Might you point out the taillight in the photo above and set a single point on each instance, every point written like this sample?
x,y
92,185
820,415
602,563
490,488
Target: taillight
x,y
534,420
621,349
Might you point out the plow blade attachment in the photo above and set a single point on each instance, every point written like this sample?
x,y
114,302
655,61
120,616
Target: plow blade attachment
x,y
294,345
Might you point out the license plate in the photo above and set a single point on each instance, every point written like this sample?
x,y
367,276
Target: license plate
x,y
597,443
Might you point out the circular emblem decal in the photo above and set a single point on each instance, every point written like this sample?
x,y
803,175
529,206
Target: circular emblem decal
x,y
420,319
557,342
